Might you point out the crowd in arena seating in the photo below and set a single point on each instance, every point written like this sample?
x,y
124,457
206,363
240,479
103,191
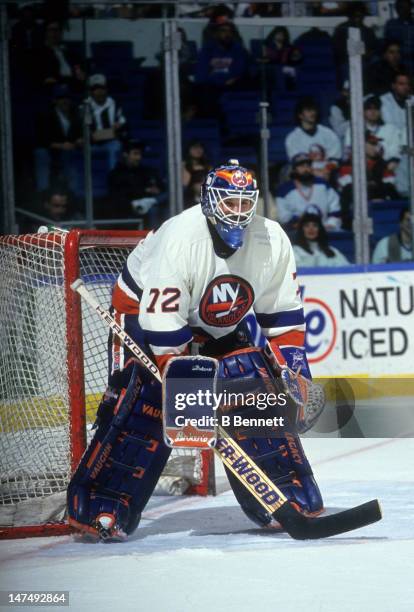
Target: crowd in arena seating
x,y
58,90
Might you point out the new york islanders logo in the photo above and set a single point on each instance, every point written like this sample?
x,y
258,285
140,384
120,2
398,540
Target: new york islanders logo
x,y
226,300
239,179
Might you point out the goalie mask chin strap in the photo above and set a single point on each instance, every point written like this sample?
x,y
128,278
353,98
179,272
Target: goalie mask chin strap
x,y
221,249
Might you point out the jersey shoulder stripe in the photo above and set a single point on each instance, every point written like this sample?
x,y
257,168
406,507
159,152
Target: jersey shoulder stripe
x,y
281,319
123,302
174,338
130,282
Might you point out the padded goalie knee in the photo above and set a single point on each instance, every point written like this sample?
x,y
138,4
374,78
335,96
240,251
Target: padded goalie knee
x,y
281,458
123,462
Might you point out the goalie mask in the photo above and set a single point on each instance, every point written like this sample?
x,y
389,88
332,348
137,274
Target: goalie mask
x,y
229,199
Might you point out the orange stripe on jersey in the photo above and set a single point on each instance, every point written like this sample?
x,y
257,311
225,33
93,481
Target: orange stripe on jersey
x,y
162,360
123,303
292,338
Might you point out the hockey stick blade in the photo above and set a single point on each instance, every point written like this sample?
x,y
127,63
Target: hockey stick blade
x,y
301,527
294,522
297,525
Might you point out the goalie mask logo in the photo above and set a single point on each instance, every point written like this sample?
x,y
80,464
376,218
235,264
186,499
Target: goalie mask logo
x,y
225,301
239,179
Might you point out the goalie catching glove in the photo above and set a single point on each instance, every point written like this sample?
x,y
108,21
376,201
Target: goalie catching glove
x,y
308,396
289,363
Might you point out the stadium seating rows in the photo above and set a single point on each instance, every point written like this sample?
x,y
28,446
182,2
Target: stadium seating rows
x,y
128,82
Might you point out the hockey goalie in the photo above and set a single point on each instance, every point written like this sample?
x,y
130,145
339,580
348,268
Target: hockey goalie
x,y
190,287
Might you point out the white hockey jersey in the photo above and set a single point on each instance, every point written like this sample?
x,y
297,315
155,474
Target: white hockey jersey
x,y
293,200
185,290
299,141
388,134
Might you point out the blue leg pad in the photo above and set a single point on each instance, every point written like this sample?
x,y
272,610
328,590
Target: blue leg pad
x,y
123,462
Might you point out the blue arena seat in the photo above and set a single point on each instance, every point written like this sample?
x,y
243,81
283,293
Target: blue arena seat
x,y
283,107
385,216
243,122
204,130
256,48
133,107
241,110
100,171
247,156
322,48
277,151
316,62
75,47
119,50
235,96
316,79
344,242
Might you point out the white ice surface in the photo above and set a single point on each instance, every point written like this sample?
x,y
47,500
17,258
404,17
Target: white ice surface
x,y
198,554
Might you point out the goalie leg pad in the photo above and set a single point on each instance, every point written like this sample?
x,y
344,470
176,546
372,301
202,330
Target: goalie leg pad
x,y
123,462
282,459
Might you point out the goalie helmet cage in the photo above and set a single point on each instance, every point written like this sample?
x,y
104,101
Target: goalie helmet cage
x,y
53,373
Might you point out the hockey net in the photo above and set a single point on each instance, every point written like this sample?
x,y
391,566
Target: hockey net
x,y
53,356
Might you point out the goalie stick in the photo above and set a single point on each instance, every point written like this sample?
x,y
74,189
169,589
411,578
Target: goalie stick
x,y
296,524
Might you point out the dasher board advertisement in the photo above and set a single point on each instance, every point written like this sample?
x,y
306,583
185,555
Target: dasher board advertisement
x,y
359,320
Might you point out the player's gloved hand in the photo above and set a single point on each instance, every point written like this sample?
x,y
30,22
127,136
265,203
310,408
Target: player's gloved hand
x,y
143,205
308,396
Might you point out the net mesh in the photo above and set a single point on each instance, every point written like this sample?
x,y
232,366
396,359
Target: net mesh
x,y
35,446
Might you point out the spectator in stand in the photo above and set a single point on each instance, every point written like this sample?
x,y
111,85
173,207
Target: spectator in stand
x,y
307,193
193,189
60,133
222,65
26,37
380,178
309,132
340,113
279,51
381,73
190,110
401,29
218,15
186,55
222,61
389,137
57,205
311,246
356,12
136,189
195,161
109,126
321,167
396,247
393,112
393,102
53,62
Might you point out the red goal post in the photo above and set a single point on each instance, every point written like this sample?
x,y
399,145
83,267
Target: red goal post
x,y
53,372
